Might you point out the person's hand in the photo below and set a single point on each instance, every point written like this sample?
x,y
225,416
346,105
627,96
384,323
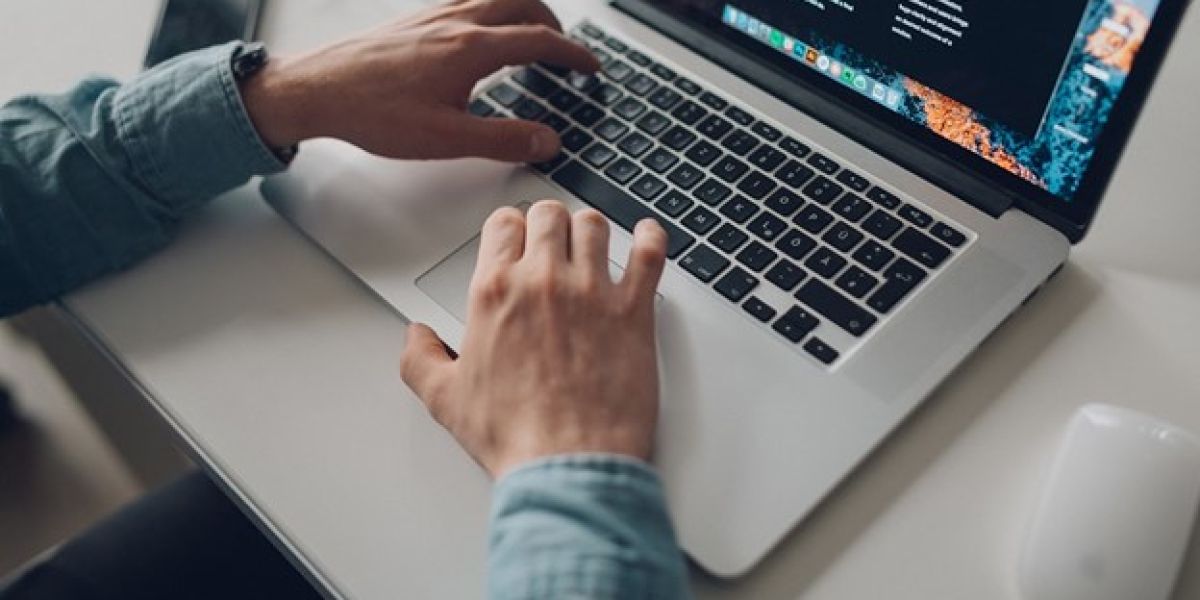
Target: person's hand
x,y
557,358
402,90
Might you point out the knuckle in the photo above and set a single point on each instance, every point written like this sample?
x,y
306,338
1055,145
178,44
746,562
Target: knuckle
x,y
505,218
491,289
590,217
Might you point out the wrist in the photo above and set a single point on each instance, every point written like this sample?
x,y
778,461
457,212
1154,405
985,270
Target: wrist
x,y
276,105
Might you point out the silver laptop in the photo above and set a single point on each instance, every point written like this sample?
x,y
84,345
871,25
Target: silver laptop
x,y
857,194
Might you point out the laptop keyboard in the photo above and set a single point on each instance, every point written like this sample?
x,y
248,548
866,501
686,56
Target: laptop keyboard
x,y
809,248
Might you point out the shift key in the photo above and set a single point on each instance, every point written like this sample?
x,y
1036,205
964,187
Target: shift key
x,y
618,205
835,307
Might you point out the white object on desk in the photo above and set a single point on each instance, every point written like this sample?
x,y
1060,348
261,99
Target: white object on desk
x,y
1117,512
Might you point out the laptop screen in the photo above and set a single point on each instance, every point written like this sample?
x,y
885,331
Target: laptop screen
x,y
1027,85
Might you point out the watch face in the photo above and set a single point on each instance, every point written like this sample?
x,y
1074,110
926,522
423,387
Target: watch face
x,y
249,60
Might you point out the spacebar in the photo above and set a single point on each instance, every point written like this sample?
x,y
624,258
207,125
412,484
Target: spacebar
x,y
617,205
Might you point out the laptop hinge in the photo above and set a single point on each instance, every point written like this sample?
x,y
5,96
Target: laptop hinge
x,y
864,128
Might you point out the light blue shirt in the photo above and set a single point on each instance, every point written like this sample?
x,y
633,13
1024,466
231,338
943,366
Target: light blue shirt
x,y
94,180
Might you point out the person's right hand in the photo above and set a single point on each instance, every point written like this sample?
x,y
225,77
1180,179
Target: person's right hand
x,y
402,90
557,358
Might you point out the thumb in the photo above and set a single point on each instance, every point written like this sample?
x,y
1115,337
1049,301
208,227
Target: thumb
x,y
510,140
425,364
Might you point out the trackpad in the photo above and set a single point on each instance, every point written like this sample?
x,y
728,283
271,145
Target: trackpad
x,y
449,282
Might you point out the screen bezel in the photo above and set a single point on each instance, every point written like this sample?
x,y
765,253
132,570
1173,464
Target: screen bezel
x,y
938,160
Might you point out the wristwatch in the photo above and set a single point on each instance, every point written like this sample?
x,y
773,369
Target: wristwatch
x,y
247,61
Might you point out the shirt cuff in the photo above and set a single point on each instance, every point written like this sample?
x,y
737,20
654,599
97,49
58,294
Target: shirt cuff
x,y
187,131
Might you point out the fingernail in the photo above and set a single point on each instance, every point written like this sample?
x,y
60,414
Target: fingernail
x,y
545,144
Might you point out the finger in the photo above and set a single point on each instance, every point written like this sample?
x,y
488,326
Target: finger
x,y
502,241
511,12
426,366
460,134
527,44
548,232
646,259
589,242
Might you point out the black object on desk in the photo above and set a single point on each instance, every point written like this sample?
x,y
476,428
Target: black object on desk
x,y
186,25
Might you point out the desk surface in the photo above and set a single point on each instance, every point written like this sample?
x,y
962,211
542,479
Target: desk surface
x,y
352,477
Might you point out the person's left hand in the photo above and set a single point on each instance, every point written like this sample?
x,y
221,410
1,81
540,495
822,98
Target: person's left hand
x,y
402,90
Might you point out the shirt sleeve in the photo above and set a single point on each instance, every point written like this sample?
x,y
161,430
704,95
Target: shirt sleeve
x,y
583,527
97,178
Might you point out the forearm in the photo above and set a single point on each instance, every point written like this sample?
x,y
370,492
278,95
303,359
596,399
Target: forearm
x,y
97,178
583,526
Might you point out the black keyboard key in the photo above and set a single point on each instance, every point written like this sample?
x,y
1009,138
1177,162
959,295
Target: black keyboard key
x,y
665,98
714,127
739,116
915,216
615,203
689,113
821,351
686,176
739,210
598,155
825,262
757,186
663,72
730,169
654,123
767,226
784,201
674,203
602,55
641,84
629,109
529,110
505,94
536,82
759,310
587,114
794,174
822,191
740,143
617,45
853,180
796,245
611,130
618,70
555,122
882,225
703,153
921,248
873,255
813,219
736,284
851,207
899,279
756,256
623,171
481,108
883,198
660,160
704,263
767,158
576,139
767,132
786,275
728,238
584,84
701,220
948,234
552,164
835,307
824,164
856,282
591,31
635,144
638,58
648,187
842,237
794,147
712,192
564,100
687,86
713,101
678,138
796,324
606,94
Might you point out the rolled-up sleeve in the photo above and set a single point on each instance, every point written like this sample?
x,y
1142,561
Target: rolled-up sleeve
x,y
583,527
97,178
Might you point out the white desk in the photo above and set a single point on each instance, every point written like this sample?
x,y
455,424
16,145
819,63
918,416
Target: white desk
x,y
380,503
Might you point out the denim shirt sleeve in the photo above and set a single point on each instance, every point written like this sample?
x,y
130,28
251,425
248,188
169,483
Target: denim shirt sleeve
x,y
583,526
97,178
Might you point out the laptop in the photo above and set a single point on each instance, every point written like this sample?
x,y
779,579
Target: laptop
x,y
856,194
